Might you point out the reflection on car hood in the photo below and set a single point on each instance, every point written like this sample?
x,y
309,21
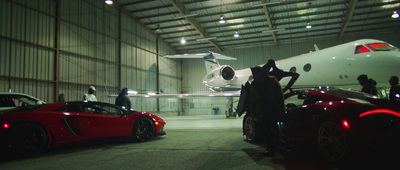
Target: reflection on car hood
x,y
6,108
385,103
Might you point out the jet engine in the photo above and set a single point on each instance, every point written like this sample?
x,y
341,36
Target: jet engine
x,y
227,72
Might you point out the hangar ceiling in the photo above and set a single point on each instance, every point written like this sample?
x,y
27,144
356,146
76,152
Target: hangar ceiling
x,y
258,22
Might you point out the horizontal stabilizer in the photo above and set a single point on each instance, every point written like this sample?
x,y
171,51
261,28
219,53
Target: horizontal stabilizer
x,y
201,55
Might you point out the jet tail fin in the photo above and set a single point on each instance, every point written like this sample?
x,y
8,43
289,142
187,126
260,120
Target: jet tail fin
x,y
316,47
210,62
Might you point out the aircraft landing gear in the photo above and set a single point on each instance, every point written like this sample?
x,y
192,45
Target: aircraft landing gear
x,y
230,113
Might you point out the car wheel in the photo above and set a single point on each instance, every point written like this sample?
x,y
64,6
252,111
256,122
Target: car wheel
x,y
250,128
24,140
331,141
144,129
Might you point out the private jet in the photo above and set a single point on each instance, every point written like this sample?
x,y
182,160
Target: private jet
x,y
337,66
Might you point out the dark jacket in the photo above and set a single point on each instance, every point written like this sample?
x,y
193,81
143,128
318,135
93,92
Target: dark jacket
x,y
394,90
369,88
266,99
123,99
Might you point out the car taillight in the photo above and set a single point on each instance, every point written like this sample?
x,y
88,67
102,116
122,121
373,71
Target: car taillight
x,y
5,125
376,111
346,124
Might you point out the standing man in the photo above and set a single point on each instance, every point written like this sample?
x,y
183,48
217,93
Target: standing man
x,y
394,93
90,97
267,106
123,100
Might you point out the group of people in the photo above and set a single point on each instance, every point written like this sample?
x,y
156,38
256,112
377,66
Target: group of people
x,y
122,99
266,102
369,86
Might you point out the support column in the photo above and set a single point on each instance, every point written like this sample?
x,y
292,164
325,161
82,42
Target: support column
x,y
158,73
57,55
119,50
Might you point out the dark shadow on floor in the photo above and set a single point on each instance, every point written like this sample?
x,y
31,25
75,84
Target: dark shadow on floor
x,y
95,143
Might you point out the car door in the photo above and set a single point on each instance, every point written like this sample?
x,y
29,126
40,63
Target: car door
x,y
100,120
300,112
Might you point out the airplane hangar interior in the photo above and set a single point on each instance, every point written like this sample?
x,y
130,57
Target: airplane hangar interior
x,y
52,47
182,58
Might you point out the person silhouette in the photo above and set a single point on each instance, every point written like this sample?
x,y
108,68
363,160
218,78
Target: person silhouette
x,y
266,106
123,99
61,98
368,85
90,97
394,92
279,74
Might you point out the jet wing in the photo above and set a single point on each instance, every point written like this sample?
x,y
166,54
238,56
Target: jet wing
x,y
219,94
201,55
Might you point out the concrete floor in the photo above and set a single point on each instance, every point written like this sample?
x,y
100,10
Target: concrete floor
x,y
192,142
202,122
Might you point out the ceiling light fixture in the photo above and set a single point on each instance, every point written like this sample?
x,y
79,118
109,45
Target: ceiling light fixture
x,y
183,41
109,2
308,26
221,19
236,34
395,14
158,28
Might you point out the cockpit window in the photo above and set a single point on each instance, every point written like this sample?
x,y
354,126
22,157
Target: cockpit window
x,y
361,49
381,47
374,47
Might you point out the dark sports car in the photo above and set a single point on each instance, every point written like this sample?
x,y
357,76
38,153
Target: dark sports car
x,y
336,121
25,131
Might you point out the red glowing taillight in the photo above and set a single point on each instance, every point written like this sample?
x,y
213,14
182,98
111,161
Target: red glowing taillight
x,y
376,111
346,124
5,125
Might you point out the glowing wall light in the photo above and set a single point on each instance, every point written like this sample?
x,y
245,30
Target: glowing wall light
x,y
109,2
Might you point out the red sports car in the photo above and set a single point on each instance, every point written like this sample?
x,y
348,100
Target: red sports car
x,y
336,121
28,130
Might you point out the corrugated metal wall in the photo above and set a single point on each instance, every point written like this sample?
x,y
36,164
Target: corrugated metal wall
x,y
194,69
95,44
88,49
100,46
27,48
